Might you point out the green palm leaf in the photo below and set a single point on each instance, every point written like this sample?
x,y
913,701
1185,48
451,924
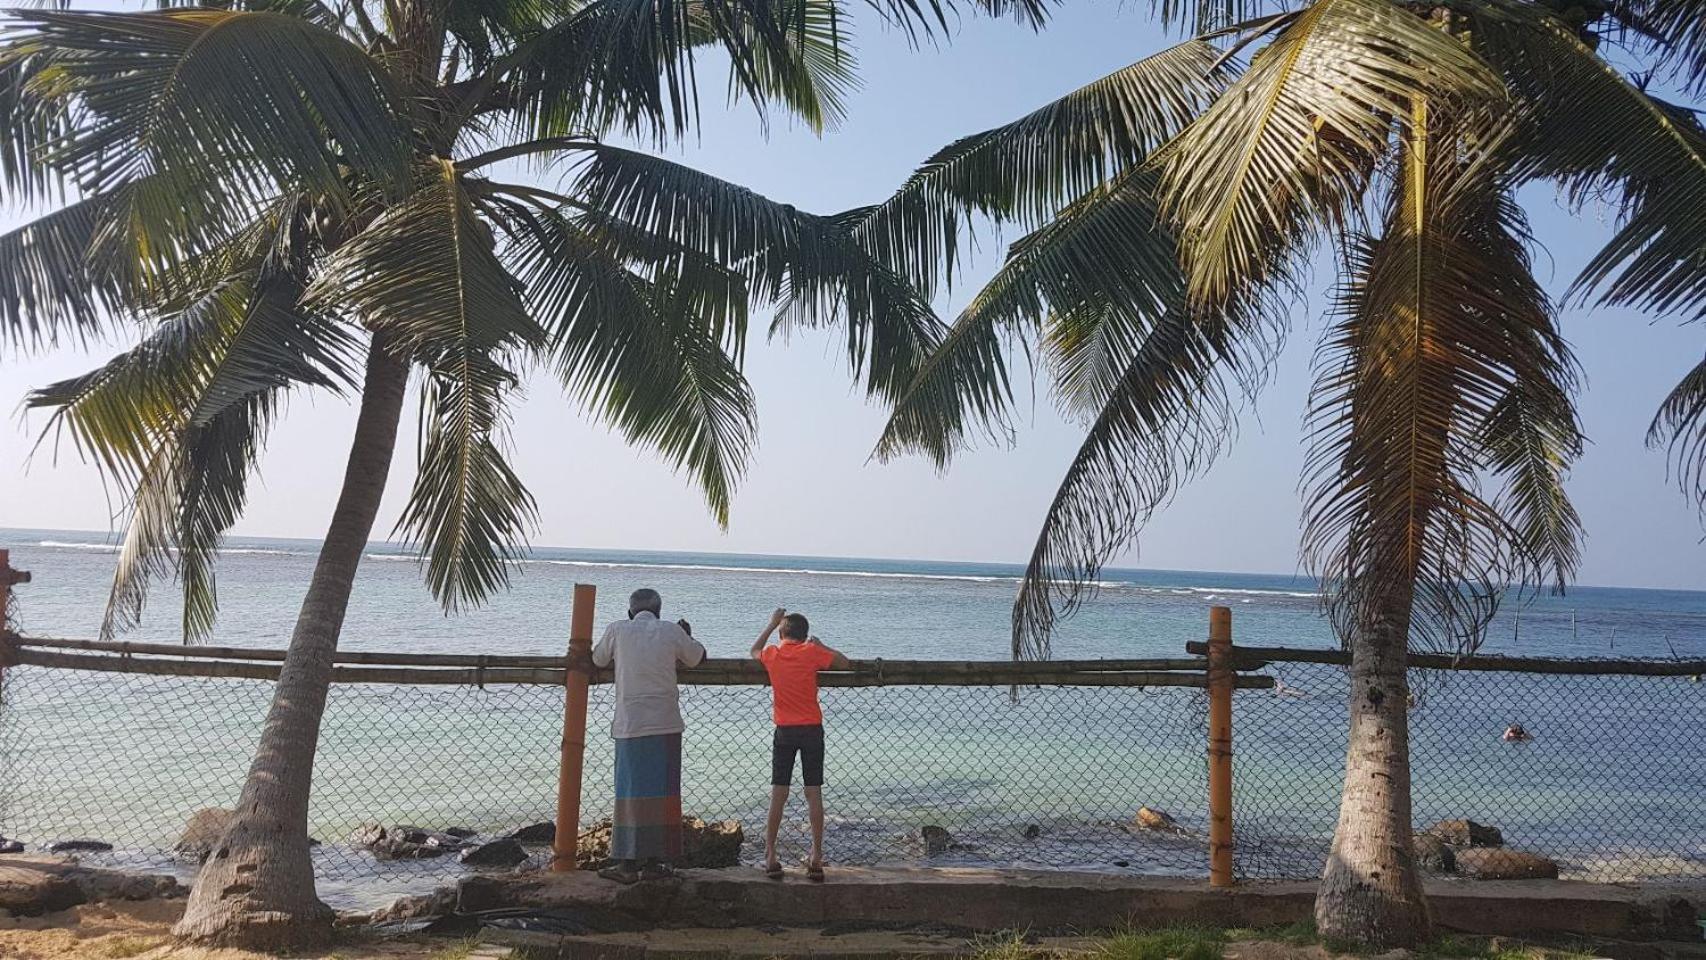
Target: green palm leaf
x,y
239,103
640,339
1028,169
425,274
1442,330
1290,146
1680,427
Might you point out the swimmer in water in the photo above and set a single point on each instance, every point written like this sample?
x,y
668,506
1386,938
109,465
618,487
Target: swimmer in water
x,y
1516,734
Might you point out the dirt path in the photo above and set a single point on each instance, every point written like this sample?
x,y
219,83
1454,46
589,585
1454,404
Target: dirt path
x,y
141,930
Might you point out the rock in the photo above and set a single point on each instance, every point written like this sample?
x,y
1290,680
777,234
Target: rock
x,y
461,833
937,840
1032,831
535,833
397,848
366,835
498,853
439,903
1150,819
1497,863
203,831
1467,833
709,845
79,846
1434,854
11,846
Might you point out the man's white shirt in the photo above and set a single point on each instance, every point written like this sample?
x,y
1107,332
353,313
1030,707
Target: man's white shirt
x,y
646,651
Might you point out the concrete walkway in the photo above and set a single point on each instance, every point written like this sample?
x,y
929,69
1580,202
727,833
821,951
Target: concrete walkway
x,y
969,901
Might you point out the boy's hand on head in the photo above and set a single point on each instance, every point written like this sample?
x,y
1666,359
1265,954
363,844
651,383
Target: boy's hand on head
x,y
686,627
777,615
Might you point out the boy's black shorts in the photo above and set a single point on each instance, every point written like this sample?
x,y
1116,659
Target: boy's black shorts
x,y
808,743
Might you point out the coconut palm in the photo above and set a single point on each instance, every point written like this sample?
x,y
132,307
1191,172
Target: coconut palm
x,y
280,196
1172,209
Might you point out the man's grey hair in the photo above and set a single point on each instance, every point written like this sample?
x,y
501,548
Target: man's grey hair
x,y
645,600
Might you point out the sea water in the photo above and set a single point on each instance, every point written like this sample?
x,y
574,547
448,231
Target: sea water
x,y
1050,778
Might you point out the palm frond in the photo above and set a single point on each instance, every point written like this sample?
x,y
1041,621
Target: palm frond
x,y
640,339
1290,146
1028,169
237,103
1441,329
810,266
1680,428
425,274
178,419
1166,417
1585,124
48,287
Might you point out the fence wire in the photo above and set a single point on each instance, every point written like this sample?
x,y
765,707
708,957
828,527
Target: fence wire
x,y
1609,787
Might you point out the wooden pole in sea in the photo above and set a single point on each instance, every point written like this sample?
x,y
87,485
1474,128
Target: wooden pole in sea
x,y
576,681
1220,683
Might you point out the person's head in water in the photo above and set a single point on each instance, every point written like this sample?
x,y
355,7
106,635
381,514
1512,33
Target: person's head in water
x,y
645,600
795,626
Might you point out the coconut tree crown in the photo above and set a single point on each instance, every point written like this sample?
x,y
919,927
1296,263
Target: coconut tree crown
x,y
261,191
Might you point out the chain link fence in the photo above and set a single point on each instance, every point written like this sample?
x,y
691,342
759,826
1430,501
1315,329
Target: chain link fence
x,y
1053,777
1609,787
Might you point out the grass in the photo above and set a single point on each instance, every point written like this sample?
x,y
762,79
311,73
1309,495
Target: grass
x,y
1200,943
460,950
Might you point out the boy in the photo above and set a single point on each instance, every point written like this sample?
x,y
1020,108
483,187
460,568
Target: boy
x,y
793,665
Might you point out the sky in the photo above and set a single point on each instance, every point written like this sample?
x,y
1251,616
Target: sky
x,y
813,488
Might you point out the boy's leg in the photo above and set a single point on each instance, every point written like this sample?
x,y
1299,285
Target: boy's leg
x,y
811,762
773,825
814,800
782,750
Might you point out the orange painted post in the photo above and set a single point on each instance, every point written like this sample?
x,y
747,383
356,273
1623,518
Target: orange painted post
x,y
1220,677
575,682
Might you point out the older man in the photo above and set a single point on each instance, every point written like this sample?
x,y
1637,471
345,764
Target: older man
x,y
647,729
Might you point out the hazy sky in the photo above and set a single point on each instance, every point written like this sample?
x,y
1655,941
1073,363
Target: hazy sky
x,y
812,490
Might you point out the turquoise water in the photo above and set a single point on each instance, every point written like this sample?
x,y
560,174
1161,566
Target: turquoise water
x,y
1612,786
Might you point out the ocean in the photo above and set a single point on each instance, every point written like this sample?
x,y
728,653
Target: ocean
x,y
1611,786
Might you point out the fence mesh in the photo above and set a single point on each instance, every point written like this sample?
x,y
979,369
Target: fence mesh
x,y
1609,787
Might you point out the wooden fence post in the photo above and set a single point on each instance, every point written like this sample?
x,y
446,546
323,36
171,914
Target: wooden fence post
x,y
575,683
8,577
1220,684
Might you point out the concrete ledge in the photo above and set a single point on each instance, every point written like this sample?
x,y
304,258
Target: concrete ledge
x,y
1064,903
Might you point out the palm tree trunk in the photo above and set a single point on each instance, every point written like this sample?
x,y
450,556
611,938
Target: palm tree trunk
x,y
256,890
1371,894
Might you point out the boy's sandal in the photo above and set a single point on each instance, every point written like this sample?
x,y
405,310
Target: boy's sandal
x,y
814,872
773,870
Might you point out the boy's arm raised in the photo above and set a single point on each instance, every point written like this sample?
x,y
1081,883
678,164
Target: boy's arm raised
x,y
764,637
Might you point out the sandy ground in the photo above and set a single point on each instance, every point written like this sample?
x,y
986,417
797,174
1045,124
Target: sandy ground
x,y
140,930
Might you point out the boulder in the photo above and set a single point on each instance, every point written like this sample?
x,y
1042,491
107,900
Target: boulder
x,y
461,833
202,832
397,848
1151,819
1434,854
1498,863
1032,831
79,846
545,832
710,845
1467,833
11,846
499,853
366,835
937,840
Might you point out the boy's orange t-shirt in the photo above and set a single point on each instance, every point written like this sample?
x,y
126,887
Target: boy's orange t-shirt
x,y
793,667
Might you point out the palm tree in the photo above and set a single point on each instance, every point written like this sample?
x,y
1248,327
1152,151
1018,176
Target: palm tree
x,y
1172,209
291,195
